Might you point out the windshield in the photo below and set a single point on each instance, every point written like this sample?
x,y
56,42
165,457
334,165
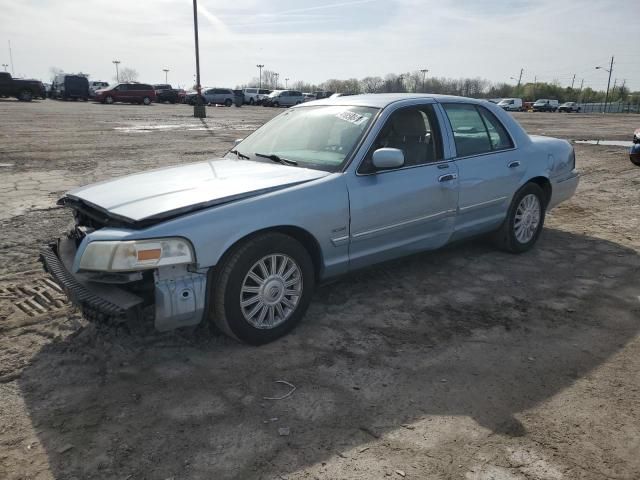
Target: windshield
x,y
506,101
320,137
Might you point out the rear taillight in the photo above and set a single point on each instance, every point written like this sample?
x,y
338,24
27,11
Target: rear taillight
x,y
573,159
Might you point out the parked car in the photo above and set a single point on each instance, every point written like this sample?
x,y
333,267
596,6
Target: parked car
x,y
544,105
283,98
569,107
309,97
24,90
70,87
127,93
320,94
254,96
511,104
634,153
96,85
219,96
166,93
320,190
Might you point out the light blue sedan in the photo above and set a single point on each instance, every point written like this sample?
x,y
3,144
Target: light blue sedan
x,y
324,188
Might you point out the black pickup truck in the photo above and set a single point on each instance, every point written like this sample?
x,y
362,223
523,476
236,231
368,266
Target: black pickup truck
x,y
24,90
166,93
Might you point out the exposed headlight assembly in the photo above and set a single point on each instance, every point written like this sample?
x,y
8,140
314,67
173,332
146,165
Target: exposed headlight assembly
x,y
136,255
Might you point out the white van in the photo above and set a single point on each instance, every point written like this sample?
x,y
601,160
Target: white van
x,y
511,104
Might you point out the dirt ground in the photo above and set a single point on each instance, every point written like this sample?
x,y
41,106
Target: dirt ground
x,y
466,363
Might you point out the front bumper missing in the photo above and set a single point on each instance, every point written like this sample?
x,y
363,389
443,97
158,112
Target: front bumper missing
x,y
179,296
97,301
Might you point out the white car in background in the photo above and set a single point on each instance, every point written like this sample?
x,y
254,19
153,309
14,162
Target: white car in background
x,y
511,104
96,85
254,96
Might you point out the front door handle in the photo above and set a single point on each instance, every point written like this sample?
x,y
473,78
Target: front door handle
x,y
448,177
514,164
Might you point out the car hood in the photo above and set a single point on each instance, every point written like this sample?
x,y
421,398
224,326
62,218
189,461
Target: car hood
x,y
160,194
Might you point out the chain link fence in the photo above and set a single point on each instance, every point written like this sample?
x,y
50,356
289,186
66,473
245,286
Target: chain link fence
x,y
617,107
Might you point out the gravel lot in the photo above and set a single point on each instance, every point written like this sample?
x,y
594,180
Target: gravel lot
x,y
463,363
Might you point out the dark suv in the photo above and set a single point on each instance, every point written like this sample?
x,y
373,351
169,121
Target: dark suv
x,y
166,93
127,93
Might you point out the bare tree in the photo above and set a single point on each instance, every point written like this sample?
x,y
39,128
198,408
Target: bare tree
x,y
127,75
54,71
371,84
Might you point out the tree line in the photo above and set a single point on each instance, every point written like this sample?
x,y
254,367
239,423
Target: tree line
x,y
418,82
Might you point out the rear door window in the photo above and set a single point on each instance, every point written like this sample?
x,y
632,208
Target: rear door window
x,y
500,139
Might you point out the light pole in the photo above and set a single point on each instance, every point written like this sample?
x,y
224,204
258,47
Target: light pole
x,y
286,83
424,76
5,65
198,109
606,98
260,65
116,63
166,72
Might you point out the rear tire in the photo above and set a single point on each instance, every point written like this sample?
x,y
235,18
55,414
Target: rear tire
x,y
270,310
525,220
228,102
108,100
146,101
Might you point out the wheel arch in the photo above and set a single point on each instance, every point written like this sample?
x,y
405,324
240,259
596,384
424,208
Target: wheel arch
x,y
306,239
545,185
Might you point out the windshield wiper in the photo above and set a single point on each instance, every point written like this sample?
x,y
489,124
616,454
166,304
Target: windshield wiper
x,y
275,158
239,154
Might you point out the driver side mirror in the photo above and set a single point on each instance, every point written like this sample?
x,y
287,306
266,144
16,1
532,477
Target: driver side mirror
x,y
388,158
237,141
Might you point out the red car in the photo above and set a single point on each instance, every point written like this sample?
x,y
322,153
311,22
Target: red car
x,y
127,93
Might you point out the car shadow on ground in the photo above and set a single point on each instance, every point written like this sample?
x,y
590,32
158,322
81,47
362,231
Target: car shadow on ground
x,y
461,332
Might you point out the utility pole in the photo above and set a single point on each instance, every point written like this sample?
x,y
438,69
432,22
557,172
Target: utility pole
x,y
581,85
198,109
116,63
277,75
166,72
286,83
520,78
535,84
13,72
260,74
574,79
424,75
5,65
606,98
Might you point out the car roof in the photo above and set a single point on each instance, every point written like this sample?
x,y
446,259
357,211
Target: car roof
x,y
381,100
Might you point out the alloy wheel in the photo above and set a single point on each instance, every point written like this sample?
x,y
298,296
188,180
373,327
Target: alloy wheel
x,y
271,291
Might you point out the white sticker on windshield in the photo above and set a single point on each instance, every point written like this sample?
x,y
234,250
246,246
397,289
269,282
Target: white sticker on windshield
x,y
351,117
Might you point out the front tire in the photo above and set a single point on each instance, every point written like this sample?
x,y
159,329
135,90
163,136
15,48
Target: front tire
x,y
525,220
262,288
108,100
146,101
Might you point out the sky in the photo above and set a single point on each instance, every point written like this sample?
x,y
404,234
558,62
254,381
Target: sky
x,y
314,41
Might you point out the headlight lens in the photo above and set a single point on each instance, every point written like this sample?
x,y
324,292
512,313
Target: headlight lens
x,y
136,255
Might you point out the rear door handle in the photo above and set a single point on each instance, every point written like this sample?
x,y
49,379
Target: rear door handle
x,y
514,164
448,177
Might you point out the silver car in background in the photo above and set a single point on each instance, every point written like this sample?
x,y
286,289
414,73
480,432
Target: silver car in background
x,y
283,98
323,189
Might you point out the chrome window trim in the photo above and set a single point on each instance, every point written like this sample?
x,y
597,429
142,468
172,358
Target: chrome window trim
x,y
401,224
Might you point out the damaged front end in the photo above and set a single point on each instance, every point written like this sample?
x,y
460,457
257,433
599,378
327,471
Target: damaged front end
x,y
117,279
